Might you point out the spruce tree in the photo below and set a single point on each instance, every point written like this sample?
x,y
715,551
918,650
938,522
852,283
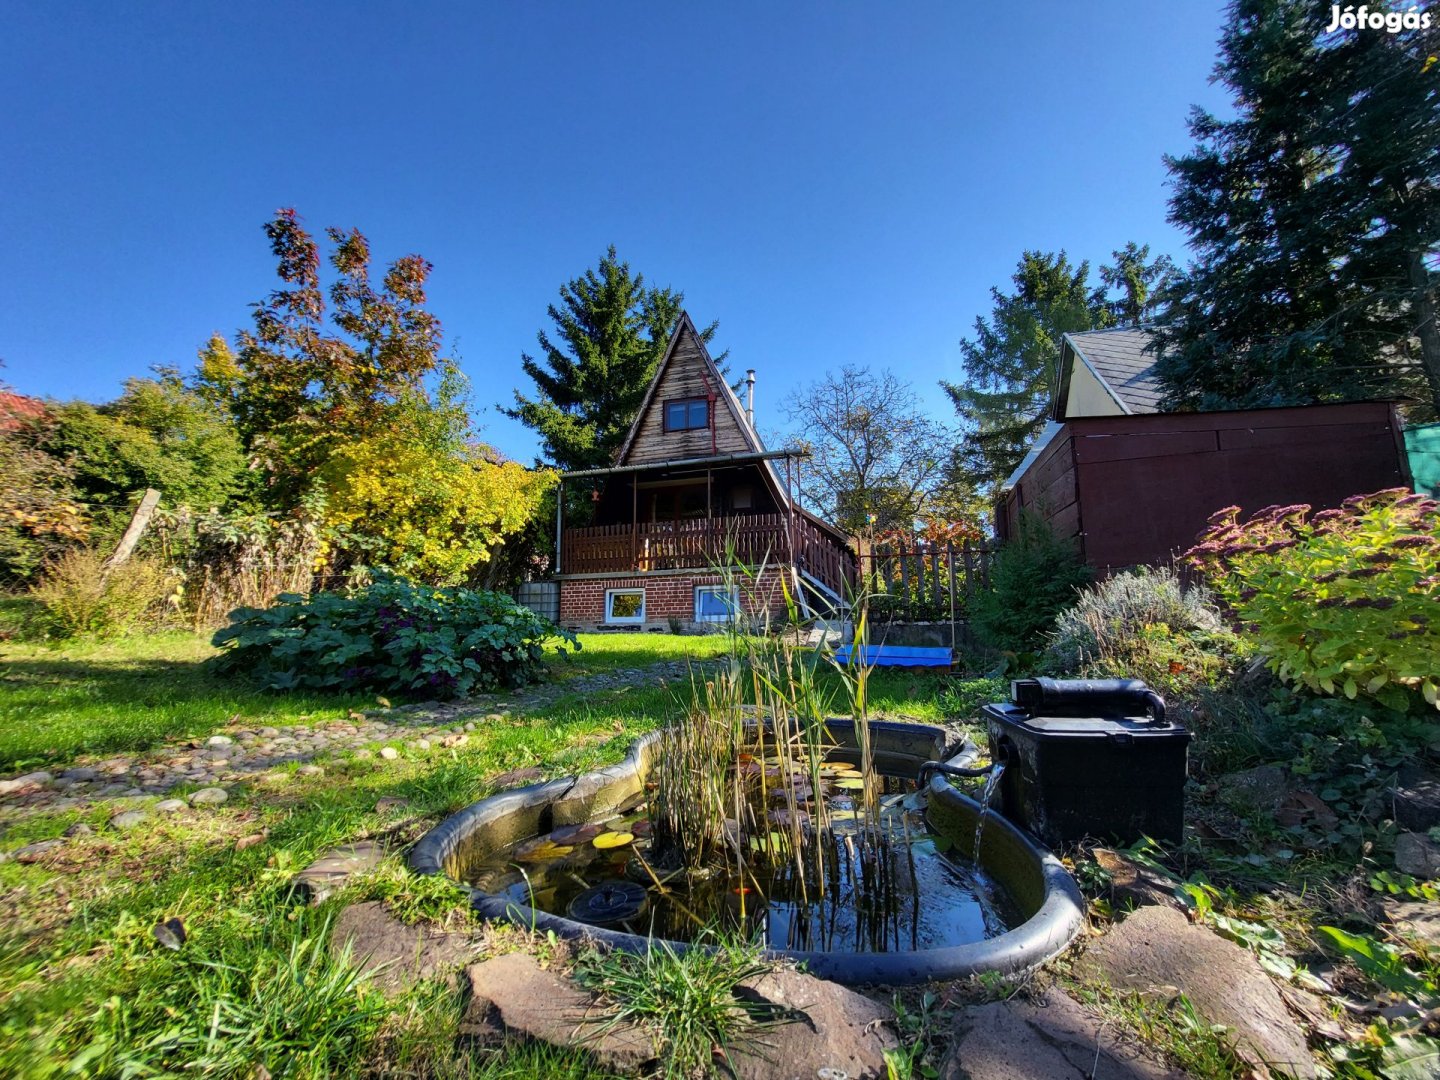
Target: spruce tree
x,y
610,332
1314,216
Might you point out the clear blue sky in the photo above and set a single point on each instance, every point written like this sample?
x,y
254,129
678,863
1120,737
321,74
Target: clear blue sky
x,y
835,182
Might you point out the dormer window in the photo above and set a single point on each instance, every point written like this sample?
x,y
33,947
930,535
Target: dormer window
x,y
687,414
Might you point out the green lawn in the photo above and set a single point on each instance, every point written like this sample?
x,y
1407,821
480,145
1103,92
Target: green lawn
x,y
84,988
98,698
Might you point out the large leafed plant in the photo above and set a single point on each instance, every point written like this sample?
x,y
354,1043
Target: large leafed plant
x,y
1343,601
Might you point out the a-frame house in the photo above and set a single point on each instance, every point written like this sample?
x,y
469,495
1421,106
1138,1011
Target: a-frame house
x,y
692,490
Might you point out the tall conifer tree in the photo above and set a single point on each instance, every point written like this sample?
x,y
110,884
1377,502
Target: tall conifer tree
x,y
1314,216
610,331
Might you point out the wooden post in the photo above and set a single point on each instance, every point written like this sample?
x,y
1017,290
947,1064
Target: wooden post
x,y
969,574
935,577
634,523
139,521
559,524
950,565
904,580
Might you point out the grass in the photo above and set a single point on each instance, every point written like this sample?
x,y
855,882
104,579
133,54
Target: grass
x,y
86,990
685,999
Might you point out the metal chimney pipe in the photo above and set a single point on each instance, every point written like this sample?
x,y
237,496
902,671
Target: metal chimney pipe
x,y
750,396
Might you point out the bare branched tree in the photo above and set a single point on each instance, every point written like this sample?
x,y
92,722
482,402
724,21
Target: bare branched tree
x,y
876,459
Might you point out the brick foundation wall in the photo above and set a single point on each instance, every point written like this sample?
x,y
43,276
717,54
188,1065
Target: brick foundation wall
x,y
582,602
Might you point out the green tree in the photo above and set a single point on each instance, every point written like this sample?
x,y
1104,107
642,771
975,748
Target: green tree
x,y
156,434
1314,216
596,362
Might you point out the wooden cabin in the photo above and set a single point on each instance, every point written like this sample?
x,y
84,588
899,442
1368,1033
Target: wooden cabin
x,y
693,490
1130,484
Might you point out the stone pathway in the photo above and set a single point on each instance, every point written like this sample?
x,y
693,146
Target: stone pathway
x,y
239,753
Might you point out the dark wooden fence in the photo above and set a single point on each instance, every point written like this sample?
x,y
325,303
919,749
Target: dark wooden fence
x,y
926,581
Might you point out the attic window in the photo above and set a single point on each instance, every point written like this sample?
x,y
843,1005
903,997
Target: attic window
x,y
687,414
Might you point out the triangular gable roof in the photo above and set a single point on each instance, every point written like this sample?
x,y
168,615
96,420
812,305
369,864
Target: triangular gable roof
x,y
1124,363
685,330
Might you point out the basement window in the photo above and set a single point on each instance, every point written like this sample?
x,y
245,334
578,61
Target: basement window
x,y
687,414
625,606
716,603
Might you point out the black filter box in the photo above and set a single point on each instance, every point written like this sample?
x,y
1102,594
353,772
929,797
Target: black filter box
x,y
1089,760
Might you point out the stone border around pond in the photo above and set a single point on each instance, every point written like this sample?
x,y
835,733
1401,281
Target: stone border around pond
x,y
1032,874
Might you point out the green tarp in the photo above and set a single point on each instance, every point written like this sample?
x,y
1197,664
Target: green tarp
x,y
1422,447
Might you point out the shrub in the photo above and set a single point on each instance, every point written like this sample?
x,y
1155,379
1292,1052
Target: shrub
x,y
1035,575
390,636
81,597
1146,624
1344,601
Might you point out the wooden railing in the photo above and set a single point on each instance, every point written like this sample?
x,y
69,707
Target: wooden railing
x,y
824,560
684,545
926,581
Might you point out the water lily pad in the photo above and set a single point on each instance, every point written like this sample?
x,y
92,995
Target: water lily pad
x,y
613,839
575,834
851,784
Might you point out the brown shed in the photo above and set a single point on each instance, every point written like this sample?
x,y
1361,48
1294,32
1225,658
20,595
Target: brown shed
x,y
1134,485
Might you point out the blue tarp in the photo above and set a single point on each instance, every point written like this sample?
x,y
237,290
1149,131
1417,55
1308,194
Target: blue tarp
x,y
897,656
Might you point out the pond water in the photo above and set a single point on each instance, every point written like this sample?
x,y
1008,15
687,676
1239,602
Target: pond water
x,y
900,891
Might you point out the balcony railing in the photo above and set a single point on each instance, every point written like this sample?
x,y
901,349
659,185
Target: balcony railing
x,y
674,545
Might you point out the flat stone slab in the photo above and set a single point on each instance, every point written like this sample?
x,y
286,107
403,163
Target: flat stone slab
x,y
1159,953
396,956
1416,920
1131,884
513,997
1054,1038
1415,799
334,868
819,1026
1417,855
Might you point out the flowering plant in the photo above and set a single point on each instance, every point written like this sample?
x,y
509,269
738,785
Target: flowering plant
x,y
1343,601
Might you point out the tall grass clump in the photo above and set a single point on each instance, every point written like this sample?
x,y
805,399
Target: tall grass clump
x,y
685,1000
83,596
239,1009
741,783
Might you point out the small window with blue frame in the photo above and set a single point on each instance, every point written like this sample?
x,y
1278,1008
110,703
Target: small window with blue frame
x,y
687,415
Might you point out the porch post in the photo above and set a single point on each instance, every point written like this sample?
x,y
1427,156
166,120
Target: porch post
x,y
559,523
634,524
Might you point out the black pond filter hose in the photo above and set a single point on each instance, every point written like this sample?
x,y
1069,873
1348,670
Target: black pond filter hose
x,y
1066,697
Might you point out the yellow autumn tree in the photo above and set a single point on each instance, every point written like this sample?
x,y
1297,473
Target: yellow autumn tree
x,y
420,499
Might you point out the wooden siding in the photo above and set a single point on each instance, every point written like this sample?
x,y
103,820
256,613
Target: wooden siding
x,y
1144,486
1049,488
688,375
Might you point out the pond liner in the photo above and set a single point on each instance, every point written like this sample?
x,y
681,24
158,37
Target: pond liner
x,y
1032,875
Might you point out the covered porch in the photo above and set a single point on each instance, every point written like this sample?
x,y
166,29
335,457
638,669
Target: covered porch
x,y
699,514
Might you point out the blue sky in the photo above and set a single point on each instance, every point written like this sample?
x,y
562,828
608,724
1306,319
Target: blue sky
x,y
835,182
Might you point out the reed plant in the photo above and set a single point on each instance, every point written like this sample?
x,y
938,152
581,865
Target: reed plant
x,y
740,782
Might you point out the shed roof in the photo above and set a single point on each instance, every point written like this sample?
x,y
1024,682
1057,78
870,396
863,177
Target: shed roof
x,y
1123,361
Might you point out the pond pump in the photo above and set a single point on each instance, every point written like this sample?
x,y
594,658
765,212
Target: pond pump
x,y
1089,759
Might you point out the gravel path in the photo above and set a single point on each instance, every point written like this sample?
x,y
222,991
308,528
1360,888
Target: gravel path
x,y
237,753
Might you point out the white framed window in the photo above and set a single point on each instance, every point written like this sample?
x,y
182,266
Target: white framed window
x,y
716,603
624,606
